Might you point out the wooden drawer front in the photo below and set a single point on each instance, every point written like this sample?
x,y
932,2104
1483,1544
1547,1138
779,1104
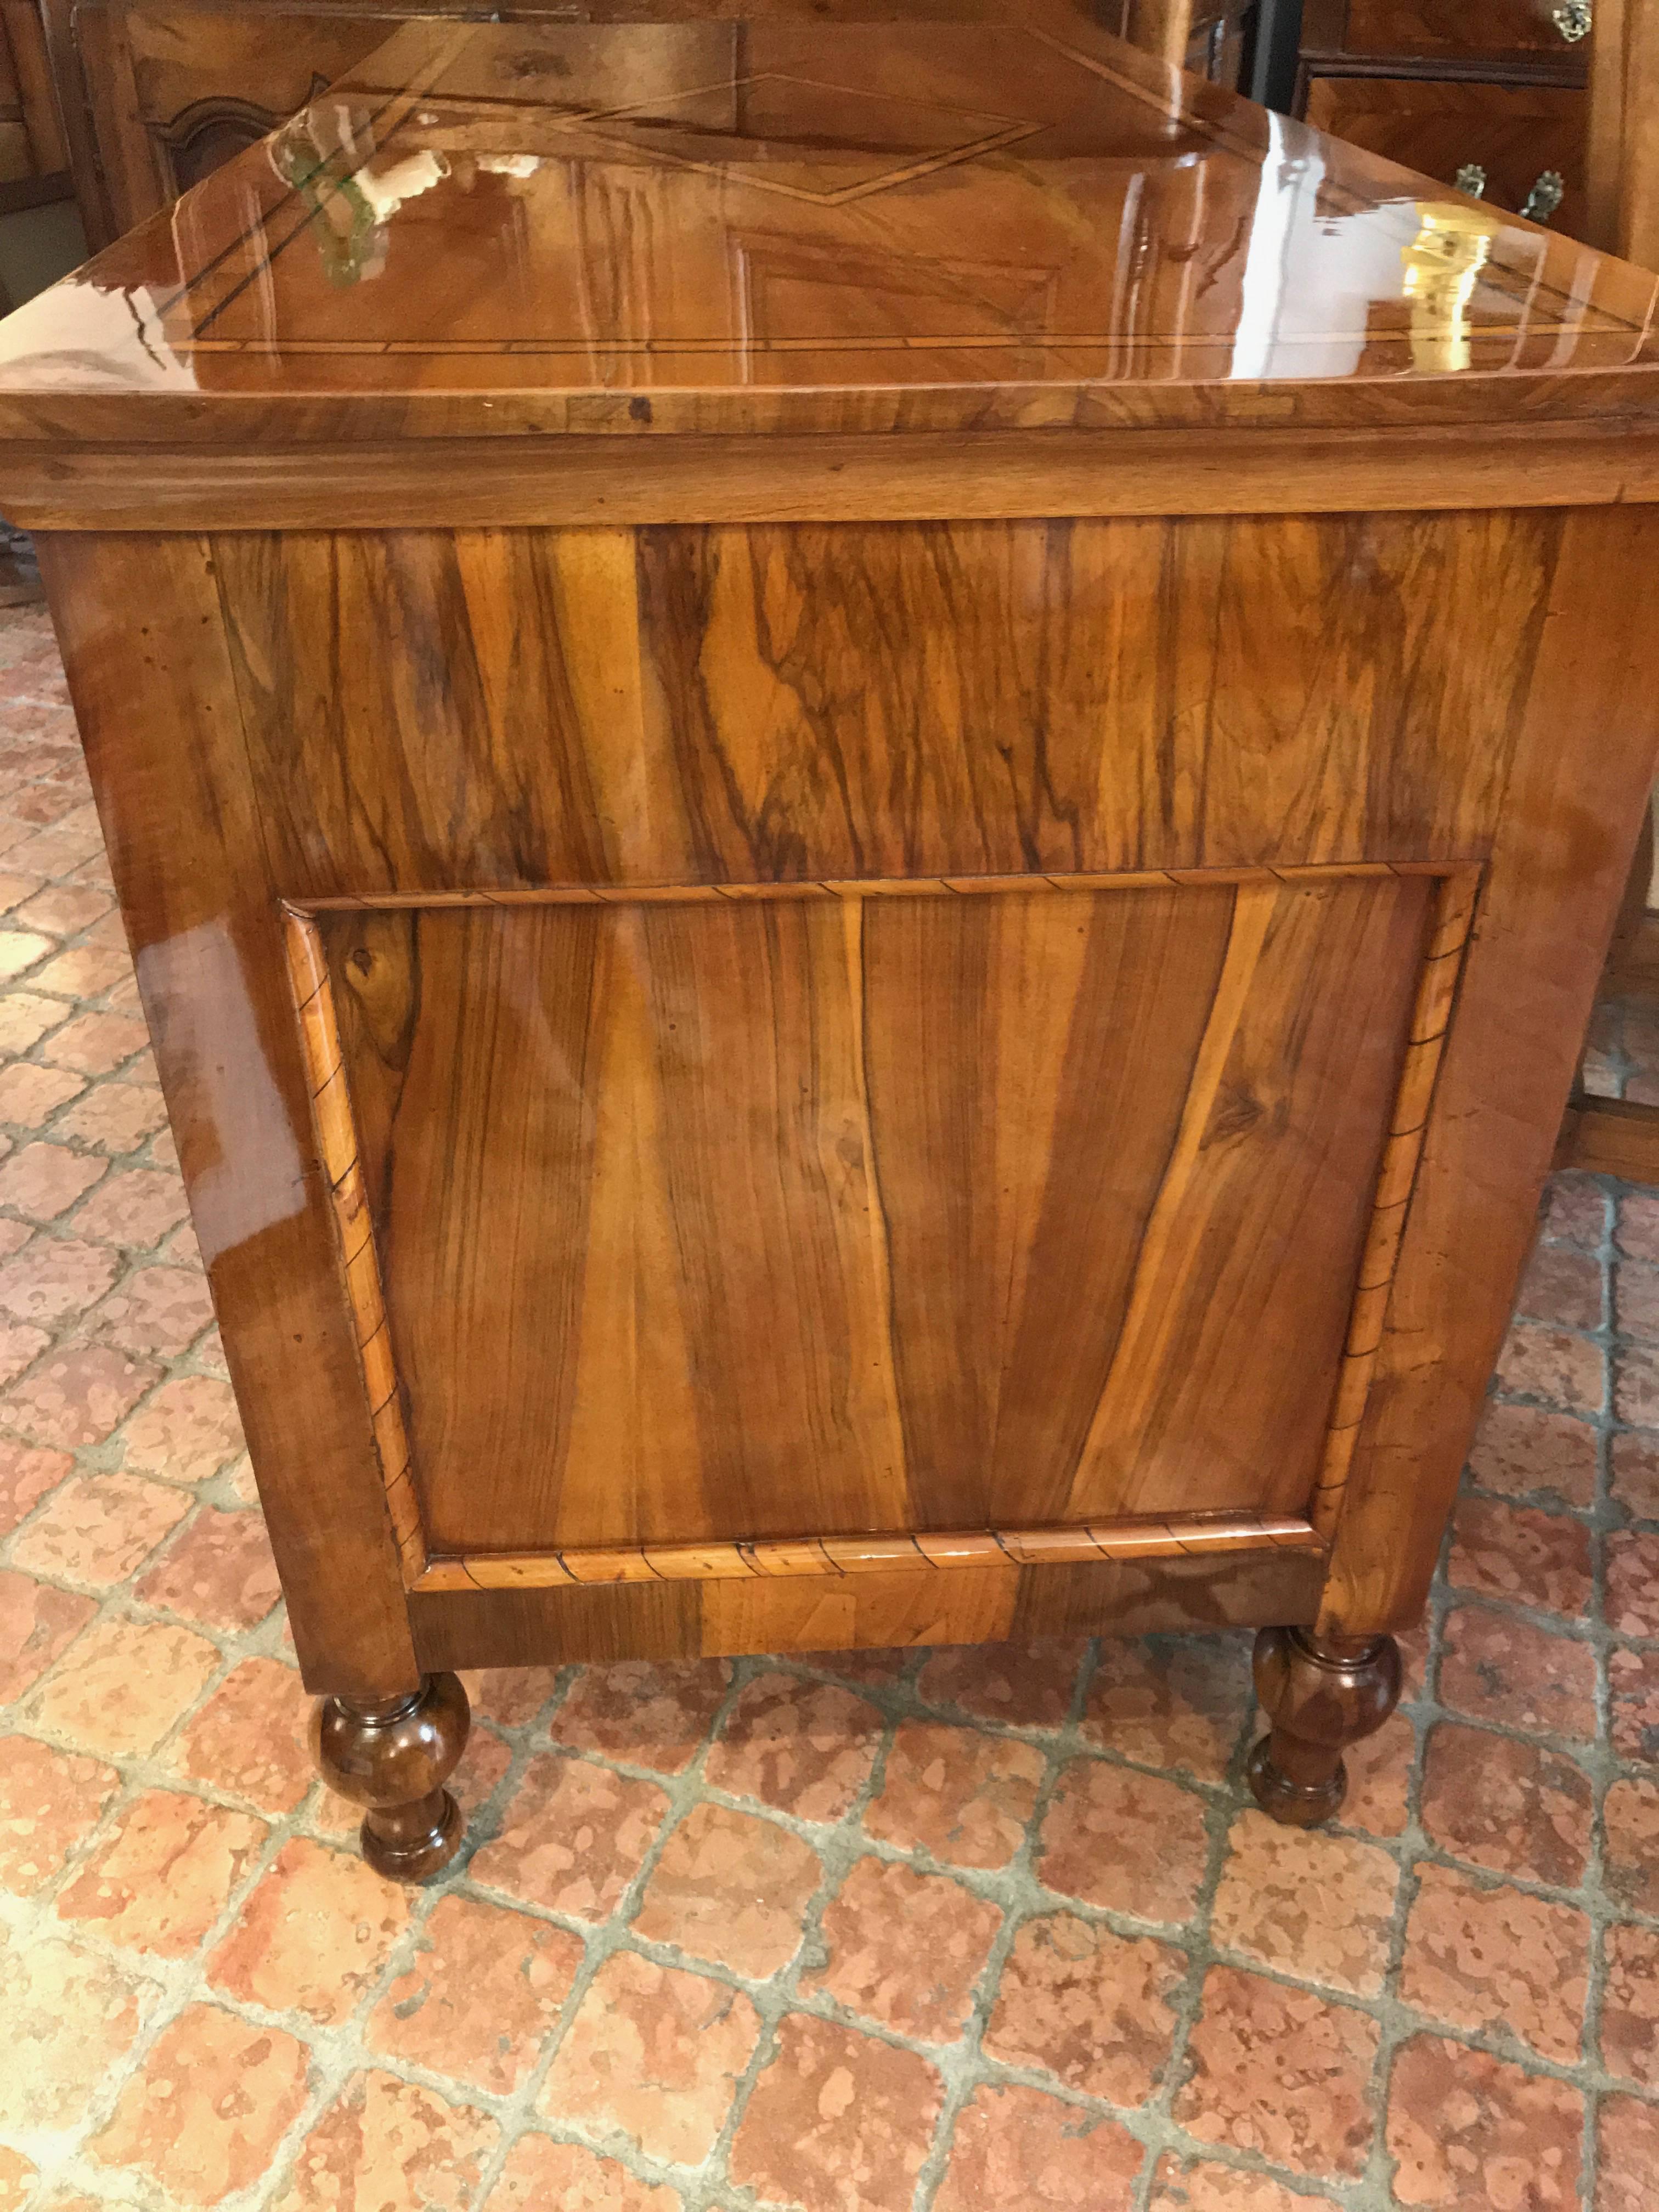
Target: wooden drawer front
x,y
718,1216
1464,26
1436,125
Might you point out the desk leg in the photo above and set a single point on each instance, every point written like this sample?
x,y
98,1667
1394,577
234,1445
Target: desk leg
x,y
393,1755
1321,1692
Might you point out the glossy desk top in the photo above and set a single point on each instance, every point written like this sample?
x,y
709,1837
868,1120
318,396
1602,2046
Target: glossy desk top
x,y
785,222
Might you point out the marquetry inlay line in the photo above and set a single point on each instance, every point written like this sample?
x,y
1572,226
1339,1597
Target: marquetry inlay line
x,y
1436,988
880,887
781,1556
337,1143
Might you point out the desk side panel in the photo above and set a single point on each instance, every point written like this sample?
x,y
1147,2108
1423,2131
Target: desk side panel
x,y
142,631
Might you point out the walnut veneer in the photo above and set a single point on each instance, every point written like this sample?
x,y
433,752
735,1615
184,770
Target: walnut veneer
x,y
867,778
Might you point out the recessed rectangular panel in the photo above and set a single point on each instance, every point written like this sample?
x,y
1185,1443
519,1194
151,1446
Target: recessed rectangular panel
x,y
820,1214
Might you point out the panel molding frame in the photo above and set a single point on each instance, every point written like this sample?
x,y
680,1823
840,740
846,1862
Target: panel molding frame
x,y
1458,885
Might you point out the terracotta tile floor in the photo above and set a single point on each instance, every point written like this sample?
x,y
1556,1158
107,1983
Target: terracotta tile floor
x,y
981,1931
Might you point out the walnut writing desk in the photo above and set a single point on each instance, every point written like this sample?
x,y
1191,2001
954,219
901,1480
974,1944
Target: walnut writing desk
x,y
868,777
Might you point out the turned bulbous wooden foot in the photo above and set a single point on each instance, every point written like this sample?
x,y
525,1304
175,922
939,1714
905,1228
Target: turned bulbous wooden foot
x,y
1321,1693
394,1755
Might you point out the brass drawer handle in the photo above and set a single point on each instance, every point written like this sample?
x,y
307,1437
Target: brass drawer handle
x,y
1544,197
1549,188
1573,19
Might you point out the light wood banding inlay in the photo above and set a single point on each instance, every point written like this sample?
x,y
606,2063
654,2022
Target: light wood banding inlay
x,y
779,1557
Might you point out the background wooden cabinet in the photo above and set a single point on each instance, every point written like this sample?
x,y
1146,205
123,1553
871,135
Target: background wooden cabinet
x,y
1484,94
156,96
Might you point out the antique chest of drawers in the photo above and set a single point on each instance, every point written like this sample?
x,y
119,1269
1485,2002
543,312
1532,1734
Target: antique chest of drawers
x,y
868,777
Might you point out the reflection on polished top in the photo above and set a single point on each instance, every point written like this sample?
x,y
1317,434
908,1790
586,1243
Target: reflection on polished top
x,y
939,221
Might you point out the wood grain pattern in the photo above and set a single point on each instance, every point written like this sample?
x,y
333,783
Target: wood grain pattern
x,y
158,716
337,1148
722,1218
1557,875
687,1620
1437,989
952,700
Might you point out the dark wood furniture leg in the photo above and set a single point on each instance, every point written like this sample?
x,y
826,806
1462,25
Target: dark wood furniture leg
x,y
393,1755
1321,1693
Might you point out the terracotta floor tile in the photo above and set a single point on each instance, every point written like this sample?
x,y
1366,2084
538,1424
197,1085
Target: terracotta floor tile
x,y
21,949
573,1837
158,1310
71,2018
208,2107
1481,1956
1633,1461
1021,2151
1092,2008
1021,1685
481,1995
654,2054
124,1685
1630,2006
189,1429
1567,1372
25,1019
1627,2136
133,1208
1636,1223
650,1715
38,1624
389,2143
1315,1907
48,1801
315,1933
116,1117
1633,1683
837,2120
1130,1842
78,1396
1496,1667
20,1344
29,1092
1517,1553
99,1528
95,1043
1635,1384
1470,2132
219,1572
905,1948
806,1747
1630,1867
164,1873
732,1888
53,1278
1562,1286
541,2175
1201,2186
1379,1769
41,1181
1633,1563
1171,1700
1513,1807
249,1737
1279,2071
509,1696
18,2176
963,1797
1635,1301
28,1474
